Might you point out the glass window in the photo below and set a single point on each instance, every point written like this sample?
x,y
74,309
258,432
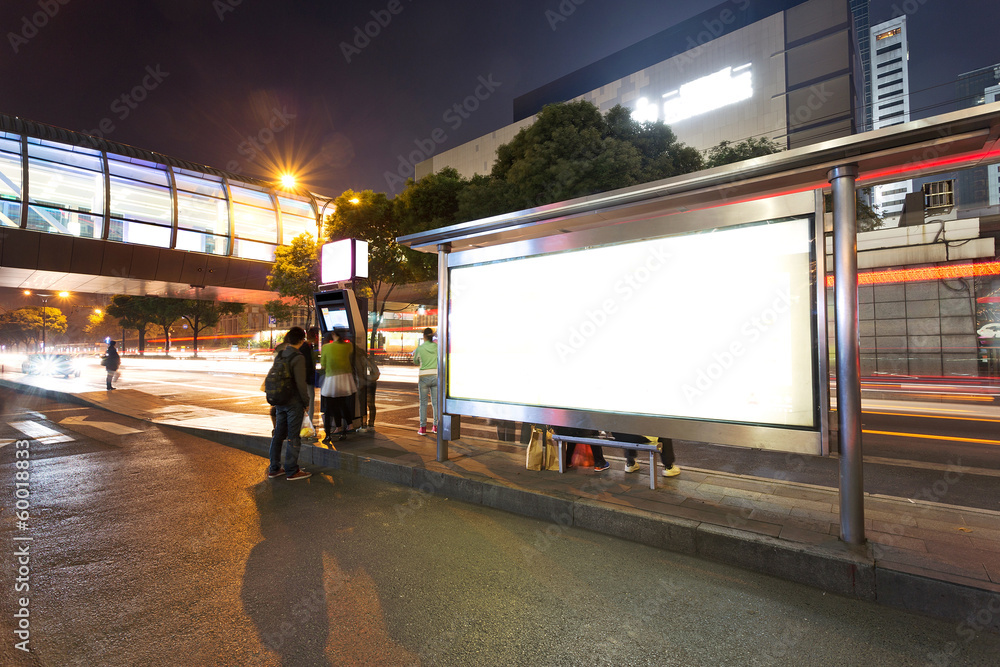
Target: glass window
x,y
57,221
65,187
140,201
253,250
10,176
138,170
200,213
252,197
10,143
296,217
255,223
76,156
198,242
10,213
201,184
138,233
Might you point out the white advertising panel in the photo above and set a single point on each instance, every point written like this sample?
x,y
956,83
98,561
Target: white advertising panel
x,y
711,325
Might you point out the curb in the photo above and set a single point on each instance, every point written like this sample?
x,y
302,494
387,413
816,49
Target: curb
x,y
833,566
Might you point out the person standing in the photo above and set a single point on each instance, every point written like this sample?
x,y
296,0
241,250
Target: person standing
x,y
426,356
310,352
288,417
111,362
339,387
372,374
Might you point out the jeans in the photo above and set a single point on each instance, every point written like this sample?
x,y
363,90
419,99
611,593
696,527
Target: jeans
x,y
287,424
424,384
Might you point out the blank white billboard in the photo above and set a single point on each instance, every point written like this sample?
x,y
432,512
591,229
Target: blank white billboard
x,y
710,325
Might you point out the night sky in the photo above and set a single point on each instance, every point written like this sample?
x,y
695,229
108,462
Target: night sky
x,y
201,76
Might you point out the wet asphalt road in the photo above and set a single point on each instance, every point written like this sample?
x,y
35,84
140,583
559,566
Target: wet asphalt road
x,y
151,547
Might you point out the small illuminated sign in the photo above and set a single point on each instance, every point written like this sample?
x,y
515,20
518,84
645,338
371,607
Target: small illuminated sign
x,y
343,260
725,87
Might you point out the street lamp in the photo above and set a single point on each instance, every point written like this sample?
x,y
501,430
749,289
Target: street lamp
x,y
45,298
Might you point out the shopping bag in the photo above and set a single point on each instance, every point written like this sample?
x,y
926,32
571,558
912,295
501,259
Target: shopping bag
x,y
535,454
583,457
550,454
308,431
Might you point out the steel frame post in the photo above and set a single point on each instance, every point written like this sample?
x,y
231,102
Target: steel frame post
x,y
444,249
845,294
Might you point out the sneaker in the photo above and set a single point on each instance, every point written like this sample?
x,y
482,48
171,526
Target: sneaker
x,y
422,431
434,429
299,474
602,466
371,429
272,475
631,467
672,471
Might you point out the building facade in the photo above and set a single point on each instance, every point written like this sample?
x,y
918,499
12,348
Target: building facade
x,y
779,69
890,86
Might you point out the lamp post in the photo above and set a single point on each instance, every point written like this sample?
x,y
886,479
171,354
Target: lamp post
x,y
45,299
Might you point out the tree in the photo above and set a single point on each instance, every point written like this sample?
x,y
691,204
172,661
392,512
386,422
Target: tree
x,y
24,325
727,152
164,311
102,325
201,315
295,273
279,311
375,219
133,312
571,150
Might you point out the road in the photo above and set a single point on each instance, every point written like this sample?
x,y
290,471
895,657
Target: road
x,y
908,445
155,547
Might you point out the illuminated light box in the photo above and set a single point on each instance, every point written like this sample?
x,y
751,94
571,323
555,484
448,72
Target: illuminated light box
x,y
343,260
725,87
713,325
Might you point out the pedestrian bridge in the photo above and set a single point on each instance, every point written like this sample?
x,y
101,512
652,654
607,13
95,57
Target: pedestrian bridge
x,y
89,215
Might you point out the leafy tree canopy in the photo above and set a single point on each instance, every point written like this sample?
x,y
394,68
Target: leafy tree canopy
x,y
295,273
727,152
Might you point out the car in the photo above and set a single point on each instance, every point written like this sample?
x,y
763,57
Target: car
x,y
51,364
991,330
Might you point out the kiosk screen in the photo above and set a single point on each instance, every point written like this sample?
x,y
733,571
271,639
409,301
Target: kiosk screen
x,y
334,318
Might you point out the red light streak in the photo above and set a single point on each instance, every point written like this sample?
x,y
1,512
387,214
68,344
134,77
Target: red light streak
x,y
950,272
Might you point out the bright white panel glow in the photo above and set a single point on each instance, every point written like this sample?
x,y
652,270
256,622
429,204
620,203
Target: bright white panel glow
x,y
335,262
360,259
712,326
725,87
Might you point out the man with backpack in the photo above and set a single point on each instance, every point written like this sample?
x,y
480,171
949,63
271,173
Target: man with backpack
x,y
286,390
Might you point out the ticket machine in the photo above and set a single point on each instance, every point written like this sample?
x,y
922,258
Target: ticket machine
x,y
338,310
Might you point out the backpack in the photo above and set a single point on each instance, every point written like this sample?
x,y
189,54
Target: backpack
x,y
279,385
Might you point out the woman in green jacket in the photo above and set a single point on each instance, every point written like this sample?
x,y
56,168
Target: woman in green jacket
x,y
339,386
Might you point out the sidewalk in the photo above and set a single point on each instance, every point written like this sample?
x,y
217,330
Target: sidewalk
x,y
926,557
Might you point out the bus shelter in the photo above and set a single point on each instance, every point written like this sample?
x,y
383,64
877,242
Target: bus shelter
x,y
721,273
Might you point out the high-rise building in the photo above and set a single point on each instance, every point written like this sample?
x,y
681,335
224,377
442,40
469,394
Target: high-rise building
x,y
992,94
862,28
976,187
890,102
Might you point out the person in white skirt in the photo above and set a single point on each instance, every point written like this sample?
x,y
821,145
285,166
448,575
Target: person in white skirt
x,y
338,388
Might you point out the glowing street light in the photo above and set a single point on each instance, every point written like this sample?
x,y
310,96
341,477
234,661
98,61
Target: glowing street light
x,y
288,181
45,298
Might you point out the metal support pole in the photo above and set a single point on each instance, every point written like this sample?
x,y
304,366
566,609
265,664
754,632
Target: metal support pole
x,y
442,333
845,294
44,300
